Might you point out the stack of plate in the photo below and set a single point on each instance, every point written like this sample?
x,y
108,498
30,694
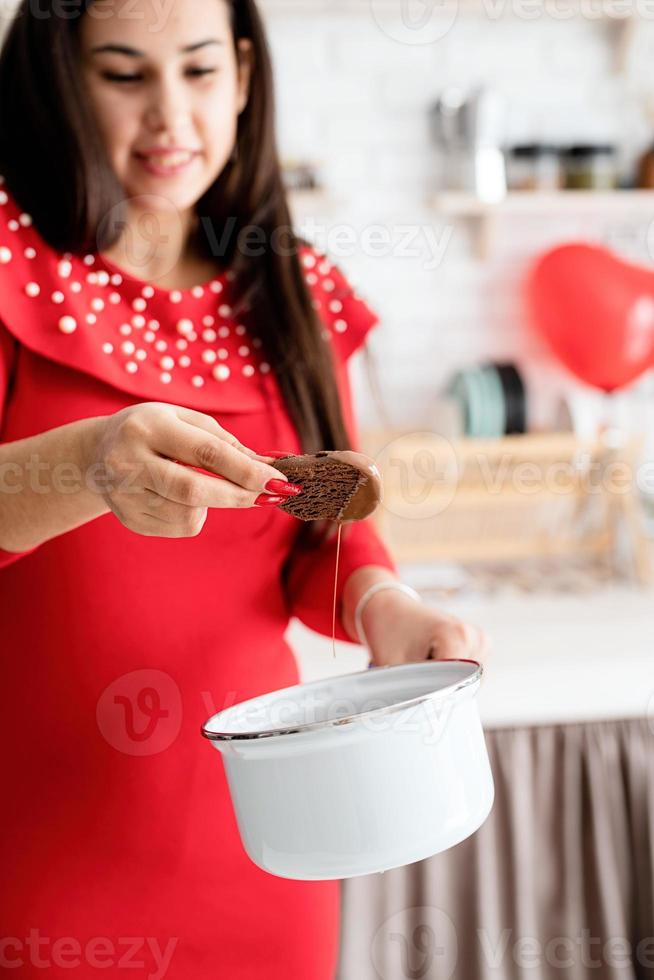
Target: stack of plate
x,y
492,400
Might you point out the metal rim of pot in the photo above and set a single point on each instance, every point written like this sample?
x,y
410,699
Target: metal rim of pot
x,y
314,726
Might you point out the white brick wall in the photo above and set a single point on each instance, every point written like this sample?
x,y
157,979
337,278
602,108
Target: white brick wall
x,y
355,100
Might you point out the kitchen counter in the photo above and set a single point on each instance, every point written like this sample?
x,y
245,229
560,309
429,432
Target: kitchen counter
x,y
554,659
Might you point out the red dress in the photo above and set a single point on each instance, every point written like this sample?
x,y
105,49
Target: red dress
x,y
118,846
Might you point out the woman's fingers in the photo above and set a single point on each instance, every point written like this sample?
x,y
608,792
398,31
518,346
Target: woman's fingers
x,y
455,640
458,641
196,446
209,424
165,465
186,525
183,485
169,511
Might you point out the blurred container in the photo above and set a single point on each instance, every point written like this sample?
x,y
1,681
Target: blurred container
x,y
300,175
591,167
535,167
469,130
492,400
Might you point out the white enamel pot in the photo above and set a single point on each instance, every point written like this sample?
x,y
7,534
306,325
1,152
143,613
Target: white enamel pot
x,y
357,774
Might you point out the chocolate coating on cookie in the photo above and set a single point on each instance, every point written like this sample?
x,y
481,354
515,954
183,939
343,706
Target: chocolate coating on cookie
x,y
338,485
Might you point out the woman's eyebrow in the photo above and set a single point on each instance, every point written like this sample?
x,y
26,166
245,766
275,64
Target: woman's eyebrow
x,y
135,53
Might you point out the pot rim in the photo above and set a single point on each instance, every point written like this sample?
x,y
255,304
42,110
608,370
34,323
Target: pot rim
x,y
314,726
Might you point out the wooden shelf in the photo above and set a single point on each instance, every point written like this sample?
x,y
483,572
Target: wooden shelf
x,y
484,216
469,502
539,202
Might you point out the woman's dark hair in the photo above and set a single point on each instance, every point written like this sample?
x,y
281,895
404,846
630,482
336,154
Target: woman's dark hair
x,y
54,161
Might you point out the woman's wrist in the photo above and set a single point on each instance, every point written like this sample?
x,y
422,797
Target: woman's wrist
x,y
356,586
88,439
391,598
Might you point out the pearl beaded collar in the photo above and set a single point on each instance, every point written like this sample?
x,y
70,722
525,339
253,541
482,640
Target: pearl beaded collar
x,y
136,335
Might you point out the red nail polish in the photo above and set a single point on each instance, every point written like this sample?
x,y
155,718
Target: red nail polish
x,y
269,500
284,487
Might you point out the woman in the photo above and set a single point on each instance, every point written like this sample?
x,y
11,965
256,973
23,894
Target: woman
x,y
158,320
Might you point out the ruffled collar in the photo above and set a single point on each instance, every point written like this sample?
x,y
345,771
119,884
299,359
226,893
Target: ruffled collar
x,y
182,346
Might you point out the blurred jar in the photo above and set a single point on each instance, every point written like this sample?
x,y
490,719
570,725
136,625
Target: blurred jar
x,y
591,167
535,167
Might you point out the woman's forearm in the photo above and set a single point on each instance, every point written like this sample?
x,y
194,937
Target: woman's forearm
x,y
47,486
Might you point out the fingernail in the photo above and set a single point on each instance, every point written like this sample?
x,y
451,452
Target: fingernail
x,y
275,454
284,487
268,500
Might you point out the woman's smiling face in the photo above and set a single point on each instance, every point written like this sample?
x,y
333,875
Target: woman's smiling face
x,y
166,96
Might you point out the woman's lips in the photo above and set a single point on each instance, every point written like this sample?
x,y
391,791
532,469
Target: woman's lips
x,y
167,163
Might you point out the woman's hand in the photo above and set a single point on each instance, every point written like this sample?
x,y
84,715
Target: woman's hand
x,y
400,630
136,461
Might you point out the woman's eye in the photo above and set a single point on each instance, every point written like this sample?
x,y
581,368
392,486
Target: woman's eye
x,y
125,79
198,72
112,76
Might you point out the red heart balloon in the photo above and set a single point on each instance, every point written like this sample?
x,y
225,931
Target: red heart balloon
x,y
596,312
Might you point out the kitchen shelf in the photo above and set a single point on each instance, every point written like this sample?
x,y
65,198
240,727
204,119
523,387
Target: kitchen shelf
x,y
484,216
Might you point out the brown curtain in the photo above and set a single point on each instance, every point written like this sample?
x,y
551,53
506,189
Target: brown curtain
x,y
557,885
